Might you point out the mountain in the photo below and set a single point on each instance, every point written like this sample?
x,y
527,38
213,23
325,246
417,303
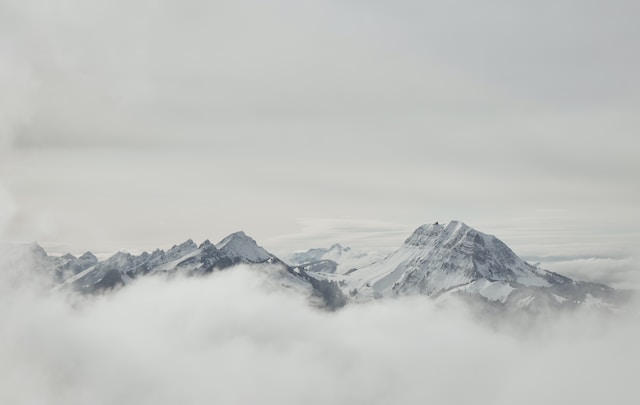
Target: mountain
x,y
68,265
190,259
436,260
186,258
334,251
239,245
441,260
25,263
334,259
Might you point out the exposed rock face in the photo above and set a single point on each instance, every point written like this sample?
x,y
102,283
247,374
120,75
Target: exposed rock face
x,y
455,258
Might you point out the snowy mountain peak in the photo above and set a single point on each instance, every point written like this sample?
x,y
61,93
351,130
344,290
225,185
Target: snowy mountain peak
x,y
338,249
37,250
119,257
207,243
182,249
89,257
236,236
189,244
438,258
428,234
457,227
451,234
239,245
423,234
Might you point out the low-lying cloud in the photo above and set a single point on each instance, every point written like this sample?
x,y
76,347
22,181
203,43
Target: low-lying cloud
x,y
615,272
237,337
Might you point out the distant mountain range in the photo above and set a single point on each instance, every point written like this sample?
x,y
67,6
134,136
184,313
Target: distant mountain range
x,y
335,259
437,260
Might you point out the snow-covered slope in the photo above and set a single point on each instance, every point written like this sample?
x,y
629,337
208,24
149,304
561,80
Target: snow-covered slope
x,y
242,246
436,260
190,259
68,265
455,258
344,258
185,258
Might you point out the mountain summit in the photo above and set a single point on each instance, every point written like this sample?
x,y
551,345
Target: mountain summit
x,y
239,245
442,259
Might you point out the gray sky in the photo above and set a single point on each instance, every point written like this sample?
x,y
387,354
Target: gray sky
x,y
136,124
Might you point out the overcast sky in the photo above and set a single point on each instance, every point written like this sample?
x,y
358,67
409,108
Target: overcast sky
x,y
136,124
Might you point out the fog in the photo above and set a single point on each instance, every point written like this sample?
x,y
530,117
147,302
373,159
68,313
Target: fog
x,y
617,273
238,337
135,125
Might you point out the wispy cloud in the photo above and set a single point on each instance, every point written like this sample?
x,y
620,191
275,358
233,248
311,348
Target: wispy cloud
x,y
615,272
356,232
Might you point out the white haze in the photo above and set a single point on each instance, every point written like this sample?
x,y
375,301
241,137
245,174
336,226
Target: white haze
x,y
235,337
136,124
617,273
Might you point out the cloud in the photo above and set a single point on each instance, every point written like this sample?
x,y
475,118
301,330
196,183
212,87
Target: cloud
x,y
354,232
19,87
9,208
617,273
235,337
222,67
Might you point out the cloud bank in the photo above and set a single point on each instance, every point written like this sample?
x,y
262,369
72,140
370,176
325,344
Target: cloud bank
x,y
235,337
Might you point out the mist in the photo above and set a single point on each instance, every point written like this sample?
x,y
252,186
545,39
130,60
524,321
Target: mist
x,y
238,337
135,125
